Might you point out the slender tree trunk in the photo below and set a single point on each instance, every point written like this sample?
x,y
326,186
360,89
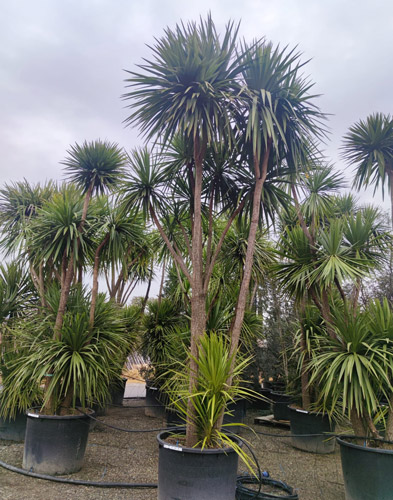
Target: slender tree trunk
x,y
306,399
146,298
277,311
80,274
94,291
198,298
253,293
162,280
245,283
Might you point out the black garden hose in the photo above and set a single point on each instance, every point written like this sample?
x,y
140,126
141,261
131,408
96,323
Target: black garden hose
x,y
76,482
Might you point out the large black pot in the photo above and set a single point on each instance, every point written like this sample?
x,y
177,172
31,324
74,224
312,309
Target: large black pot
x,y
304,423
195,474
13,429
155,406
265,404
117,390
237,412
55,444
280,405
367,471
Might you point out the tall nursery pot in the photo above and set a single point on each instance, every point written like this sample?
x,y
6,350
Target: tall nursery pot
x,y
13,429
280,405
54,444
117,390
154,405
304,423
261,404
195,474
367,471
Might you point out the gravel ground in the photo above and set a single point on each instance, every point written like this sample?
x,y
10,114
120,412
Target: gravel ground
x,y
114,456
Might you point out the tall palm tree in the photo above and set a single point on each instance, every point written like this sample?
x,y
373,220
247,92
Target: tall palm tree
x,y
279,120
187,89
205,90
369,146
94,167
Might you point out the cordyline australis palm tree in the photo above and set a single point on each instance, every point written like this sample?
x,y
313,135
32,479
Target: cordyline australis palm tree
x,y
369,146
19,203
197,87
322,254
94,167
56,235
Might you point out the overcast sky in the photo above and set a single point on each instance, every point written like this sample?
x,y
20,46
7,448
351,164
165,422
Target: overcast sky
x,y
62,66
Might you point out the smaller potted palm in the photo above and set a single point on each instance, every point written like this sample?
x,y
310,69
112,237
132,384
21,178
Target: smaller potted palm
x,y
355,370
67,349
80,364
163,331
191,473
16,299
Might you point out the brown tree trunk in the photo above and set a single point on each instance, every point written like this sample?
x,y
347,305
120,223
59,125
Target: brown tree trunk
x,y
306,399
357,424
389,423
146,298
94,291
245,283
198,298
162,281
236,325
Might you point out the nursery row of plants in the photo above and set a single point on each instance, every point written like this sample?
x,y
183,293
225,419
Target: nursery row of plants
x,y
266,269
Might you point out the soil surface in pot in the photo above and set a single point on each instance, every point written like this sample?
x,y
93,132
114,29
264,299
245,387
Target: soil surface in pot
x,y
115,456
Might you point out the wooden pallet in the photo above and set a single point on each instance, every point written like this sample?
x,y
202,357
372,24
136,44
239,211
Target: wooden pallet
x,y
269,420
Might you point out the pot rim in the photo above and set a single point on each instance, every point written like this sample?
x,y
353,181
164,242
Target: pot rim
x,y
342,442
206,451
292,407
33,413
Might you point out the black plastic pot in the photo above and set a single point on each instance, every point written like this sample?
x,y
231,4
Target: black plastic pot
x,y
117,390
367,471
237,414
261,404
13,429
280,405
304,423
55,445
154,405
195,474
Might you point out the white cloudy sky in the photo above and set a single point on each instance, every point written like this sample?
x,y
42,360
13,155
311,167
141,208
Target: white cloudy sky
x,y
62,66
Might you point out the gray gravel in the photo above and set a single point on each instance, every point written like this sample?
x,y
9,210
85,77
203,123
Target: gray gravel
x,y
114,456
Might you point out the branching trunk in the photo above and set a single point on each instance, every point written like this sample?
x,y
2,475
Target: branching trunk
x,y
245,283
68,275
174,254
209,271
